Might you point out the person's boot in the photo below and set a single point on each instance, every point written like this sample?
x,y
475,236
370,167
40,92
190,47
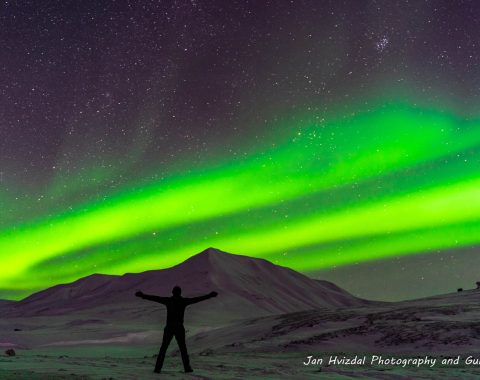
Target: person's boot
x,y
186,364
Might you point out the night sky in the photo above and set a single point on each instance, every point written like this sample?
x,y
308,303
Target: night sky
x,y
339,138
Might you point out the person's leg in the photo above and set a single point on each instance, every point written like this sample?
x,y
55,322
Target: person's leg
x,y
180,337
167,338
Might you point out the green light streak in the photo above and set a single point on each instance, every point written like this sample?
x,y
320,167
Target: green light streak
x,y
318,157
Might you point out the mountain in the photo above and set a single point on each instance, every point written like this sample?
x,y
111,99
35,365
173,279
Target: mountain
x,y
261,307
247,287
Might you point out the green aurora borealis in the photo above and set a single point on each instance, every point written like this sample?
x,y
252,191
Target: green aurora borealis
x,y
395,179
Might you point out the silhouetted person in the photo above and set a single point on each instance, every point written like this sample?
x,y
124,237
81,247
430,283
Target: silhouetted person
x,y
175,311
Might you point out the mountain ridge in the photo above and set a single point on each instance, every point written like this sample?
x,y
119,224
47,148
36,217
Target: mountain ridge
x,y
243,282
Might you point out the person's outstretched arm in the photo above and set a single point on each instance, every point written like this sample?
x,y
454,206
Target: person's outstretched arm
x,y
201,298
151,298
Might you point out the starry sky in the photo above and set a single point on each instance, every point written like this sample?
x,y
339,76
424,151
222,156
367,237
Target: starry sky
x,y
339,138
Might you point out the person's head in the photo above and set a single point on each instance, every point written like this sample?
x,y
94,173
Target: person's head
x,y
177,291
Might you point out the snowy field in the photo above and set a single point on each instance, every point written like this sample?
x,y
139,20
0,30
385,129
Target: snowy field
x,y
137,363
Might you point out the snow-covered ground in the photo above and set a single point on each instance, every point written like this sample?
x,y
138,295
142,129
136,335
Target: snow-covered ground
x,y
136,363
262,326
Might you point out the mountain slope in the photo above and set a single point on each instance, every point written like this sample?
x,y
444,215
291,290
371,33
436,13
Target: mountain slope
x,y
247,286
446,324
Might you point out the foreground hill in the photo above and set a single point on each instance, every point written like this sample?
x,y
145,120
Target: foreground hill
x,y
445,324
